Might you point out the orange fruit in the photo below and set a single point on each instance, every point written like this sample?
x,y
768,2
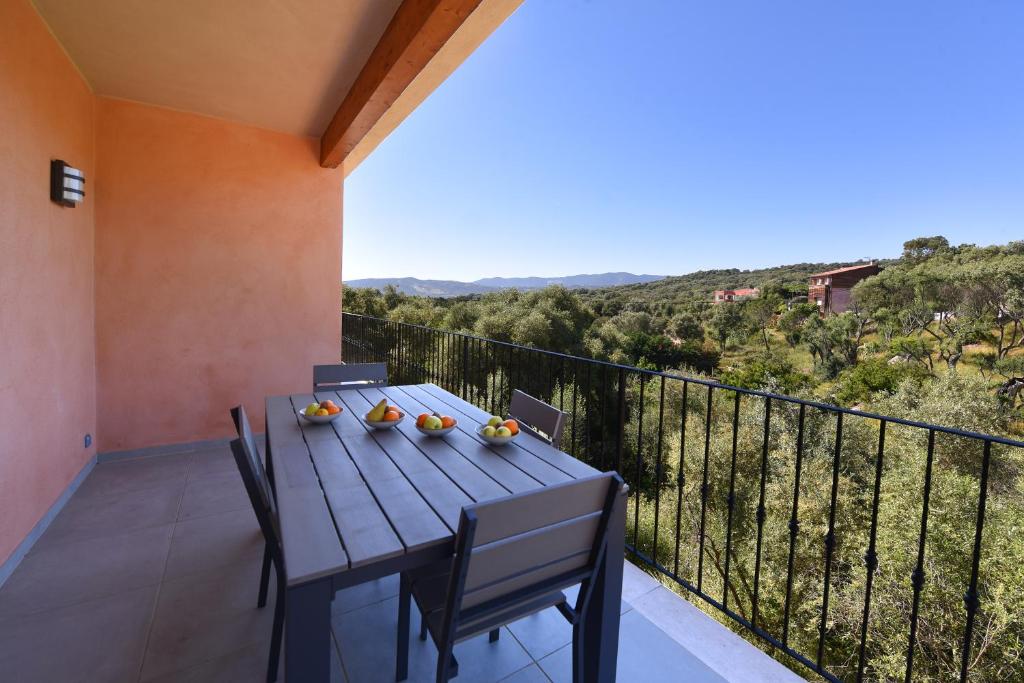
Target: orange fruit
x,y
421,419
512,425
392,408
322,412
391,415
447,422
333,409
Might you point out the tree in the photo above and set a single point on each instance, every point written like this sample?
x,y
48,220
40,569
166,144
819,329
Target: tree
x,y
686,326
724,323
791,322
760,313
923,248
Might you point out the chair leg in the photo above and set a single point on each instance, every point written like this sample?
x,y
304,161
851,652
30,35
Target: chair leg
x,y
402,662
447,667
264,577
275,636
577,653
493,636
423,627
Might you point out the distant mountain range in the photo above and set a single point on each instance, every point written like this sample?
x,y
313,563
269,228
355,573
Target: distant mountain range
x,y
450,288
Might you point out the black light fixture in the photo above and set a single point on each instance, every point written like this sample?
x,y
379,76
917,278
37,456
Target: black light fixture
x,y
66,184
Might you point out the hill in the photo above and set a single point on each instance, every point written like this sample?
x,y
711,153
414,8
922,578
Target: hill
x,y
570,281
700,285
412,286
453,288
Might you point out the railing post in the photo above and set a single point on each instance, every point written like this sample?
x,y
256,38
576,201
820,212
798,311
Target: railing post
x,y
465,367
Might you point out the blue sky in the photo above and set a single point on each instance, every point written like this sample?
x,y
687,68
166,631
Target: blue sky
x,y
673,136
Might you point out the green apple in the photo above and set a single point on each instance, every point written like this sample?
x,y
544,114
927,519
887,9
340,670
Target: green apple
x,y
432,422
503,431
311,409
494,421
489,431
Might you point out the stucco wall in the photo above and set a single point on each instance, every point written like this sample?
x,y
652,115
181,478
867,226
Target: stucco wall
x,y
218,270
47,352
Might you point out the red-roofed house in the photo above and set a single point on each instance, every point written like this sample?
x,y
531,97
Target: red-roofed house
x,y
830,290
722,295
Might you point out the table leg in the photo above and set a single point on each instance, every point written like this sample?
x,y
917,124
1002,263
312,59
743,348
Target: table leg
x,y
307,633
601,624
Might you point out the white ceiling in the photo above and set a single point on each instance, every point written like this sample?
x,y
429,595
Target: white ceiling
x,y
280,64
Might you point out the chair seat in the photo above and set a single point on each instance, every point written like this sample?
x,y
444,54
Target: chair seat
x,y
429,588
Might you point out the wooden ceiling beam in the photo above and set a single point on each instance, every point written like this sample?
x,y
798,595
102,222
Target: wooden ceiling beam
x,y
417,32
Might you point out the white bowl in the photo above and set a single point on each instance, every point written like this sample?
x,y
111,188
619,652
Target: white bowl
x,y
321,419
384,424
494,440
437,432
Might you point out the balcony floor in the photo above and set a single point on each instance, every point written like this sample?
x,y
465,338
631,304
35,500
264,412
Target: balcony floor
x,y
150,573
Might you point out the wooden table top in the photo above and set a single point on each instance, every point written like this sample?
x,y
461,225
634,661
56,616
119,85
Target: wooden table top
x,y
349,496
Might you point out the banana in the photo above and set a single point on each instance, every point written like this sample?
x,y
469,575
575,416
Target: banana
x,y
377,414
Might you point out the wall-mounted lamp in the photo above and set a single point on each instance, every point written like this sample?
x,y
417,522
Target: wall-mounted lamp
x,y
66,184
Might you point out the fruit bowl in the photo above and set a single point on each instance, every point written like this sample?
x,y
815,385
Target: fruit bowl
x,y
437,432
495,439
383,424
498,431
320,419
445,424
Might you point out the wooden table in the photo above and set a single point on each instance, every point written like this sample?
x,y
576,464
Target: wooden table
x,y
357,504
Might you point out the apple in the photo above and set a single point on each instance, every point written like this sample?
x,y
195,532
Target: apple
x,y
489,431
503,431
495,421
432,422
311,409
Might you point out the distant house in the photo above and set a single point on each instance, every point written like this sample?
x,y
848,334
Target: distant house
x,y
723,295
831,290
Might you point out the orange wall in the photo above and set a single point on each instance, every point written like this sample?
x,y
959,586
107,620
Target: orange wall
x,y
47,352
218,263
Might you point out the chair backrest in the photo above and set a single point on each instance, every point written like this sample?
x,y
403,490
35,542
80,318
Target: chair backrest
x,y
516,550
254,476
543,421
349,376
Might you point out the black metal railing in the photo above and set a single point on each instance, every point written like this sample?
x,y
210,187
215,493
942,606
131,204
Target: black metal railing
x,y
805,523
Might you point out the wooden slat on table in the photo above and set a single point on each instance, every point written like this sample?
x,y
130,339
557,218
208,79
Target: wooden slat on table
x,y
364,529
480,454
469,418
563,461
282,426
446,499
412,518
310,541
474,478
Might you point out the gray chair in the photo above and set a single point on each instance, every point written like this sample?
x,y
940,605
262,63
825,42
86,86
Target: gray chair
x,y
261,497
349,376
513,557
541,420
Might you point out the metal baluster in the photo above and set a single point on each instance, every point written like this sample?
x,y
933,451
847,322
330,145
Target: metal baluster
x,y
794,524
587,405
575,392
704,490
681,475
622,421
494,376
657,470
639,453
830,539
971,600
917,576
731,499
871,557
761,513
